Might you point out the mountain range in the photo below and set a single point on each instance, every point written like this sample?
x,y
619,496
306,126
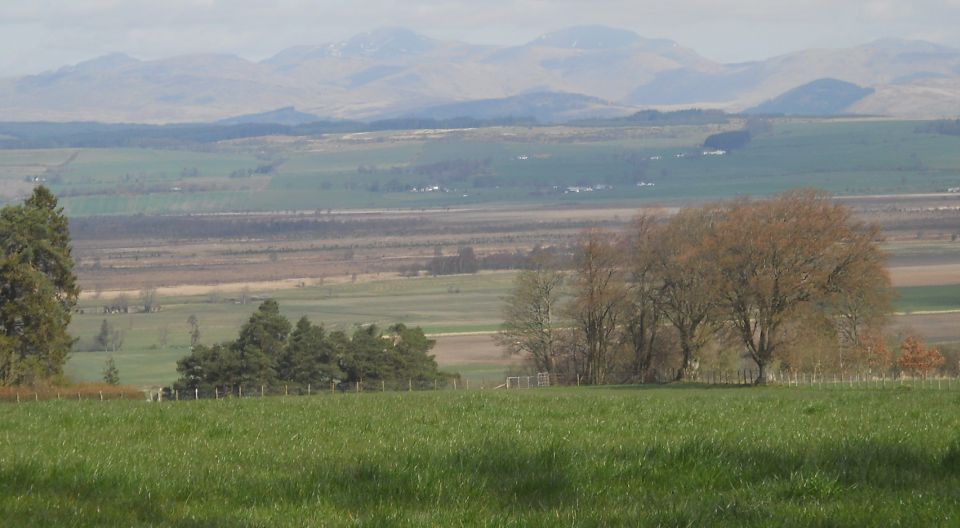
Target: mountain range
x,y
574,73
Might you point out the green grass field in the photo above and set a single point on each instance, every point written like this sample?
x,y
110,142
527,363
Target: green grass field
x,y
842,157
673,456
928,298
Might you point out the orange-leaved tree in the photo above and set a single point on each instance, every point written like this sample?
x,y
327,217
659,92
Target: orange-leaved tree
x,y
918,359
794,253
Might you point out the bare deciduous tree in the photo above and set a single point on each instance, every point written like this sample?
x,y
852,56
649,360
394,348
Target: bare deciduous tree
x,y
148,298
687,293
599,299
530,314
644,314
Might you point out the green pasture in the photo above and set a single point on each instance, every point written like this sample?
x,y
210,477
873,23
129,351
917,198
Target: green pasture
x,y
855,157
928,298
454,304
675,456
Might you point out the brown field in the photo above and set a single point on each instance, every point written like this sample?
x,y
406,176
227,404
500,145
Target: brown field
x,y
131,264
192,263
935,327
80,391
473,349
929,275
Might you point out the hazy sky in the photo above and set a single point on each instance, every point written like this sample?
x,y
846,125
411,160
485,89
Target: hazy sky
x,y
38,35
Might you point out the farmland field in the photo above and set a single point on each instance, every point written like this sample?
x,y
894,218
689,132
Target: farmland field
x,y
441,305
680,456
509,166
461,304
326,211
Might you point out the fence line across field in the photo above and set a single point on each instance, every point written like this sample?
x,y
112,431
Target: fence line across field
x,y
540,380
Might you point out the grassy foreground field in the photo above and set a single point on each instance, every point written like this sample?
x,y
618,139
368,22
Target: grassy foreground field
x,y
681,456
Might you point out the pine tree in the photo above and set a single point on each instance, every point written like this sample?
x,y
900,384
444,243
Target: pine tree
x,y
102,339
261,342
309,357
111,375
38,290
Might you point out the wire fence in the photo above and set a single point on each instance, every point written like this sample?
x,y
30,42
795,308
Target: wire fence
x,y
541,380
309,389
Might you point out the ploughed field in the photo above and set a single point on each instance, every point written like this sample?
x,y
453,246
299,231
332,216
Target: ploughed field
x,y
677,456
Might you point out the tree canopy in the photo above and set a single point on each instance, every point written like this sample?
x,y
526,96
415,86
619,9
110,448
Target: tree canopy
x,y
270,351
747,276
38,290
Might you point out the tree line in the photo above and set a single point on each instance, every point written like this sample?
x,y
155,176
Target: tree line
x,y
269,351
793,281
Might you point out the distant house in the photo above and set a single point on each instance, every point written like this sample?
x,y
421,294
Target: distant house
x,y
715,152
953,190
578,189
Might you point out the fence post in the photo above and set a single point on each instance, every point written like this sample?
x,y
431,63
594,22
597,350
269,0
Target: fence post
x,y
240,391
409,385
434,383
216,393
261,390
455,383
308,389
18,397
286,390
176,394
196,393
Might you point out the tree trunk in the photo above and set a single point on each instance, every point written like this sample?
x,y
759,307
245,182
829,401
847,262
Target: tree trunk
x,y
685,364
761,374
